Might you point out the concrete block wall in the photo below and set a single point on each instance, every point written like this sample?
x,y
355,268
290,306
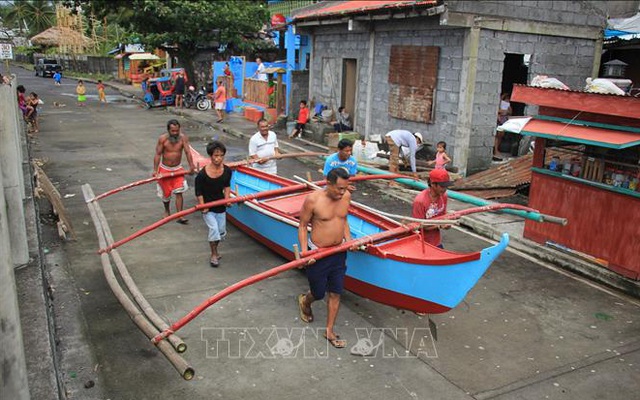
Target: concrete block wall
x,y
299,88
582,13
447,87
332,44
568,59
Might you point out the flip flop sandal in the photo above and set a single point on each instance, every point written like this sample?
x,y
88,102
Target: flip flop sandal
x,y
336,342
308,318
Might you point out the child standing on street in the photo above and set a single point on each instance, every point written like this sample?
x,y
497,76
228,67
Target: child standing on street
x,y
303,117
81,92
101,95
57,78
442,158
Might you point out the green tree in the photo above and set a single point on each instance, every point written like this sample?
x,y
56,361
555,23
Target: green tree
x,y
187,26
34,15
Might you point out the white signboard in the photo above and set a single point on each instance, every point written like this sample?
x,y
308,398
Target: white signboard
x,y
6,51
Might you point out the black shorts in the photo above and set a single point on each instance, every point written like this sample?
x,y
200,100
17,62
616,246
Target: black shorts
x,y
300,126
327,275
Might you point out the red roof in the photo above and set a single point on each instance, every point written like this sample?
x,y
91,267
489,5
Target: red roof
x,y
581,134
607,104
340,8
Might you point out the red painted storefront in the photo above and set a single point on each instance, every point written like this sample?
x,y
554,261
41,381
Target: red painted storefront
x,y
604,220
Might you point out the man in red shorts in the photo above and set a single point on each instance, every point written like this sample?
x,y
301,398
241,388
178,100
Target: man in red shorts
x,y
168,160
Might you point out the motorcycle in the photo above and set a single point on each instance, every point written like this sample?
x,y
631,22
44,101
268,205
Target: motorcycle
x,y
198,99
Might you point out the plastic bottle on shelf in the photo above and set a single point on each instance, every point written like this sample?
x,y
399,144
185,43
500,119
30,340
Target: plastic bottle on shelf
x,y
617,178
553,165
566,168
625,180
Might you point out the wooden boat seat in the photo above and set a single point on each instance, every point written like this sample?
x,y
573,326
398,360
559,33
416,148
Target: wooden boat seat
x,y
412,249
290,205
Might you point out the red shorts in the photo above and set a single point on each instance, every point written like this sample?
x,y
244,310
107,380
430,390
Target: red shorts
x,y
173,185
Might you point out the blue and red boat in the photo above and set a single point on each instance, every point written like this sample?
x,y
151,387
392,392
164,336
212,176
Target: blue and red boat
x,y
403,272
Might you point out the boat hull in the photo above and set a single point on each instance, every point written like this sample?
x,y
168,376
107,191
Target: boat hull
x,y
404,273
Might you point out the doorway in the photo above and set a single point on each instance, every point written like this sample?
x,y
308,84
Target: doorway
x,y
515,70
349,79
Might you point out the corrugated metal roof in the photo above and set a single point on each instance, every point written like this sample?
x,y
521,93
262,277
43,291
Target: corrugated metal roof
x,y
333,8
581,134
505,179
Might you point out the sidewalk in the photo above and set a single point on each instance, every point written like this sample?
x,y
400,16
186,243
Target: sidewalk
x,y
488,225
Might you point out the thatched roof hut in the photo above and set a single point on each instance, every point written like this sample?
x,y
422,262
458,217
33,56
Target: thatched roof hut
x,y
66,39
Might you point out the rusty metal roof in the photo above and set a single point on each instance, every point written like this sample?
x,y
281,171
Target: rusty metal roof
x,y
326,9
505,179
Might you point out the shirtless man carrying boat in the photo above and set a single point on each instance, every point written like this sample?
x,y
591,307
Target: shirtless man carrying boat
x,y
327,211
168,159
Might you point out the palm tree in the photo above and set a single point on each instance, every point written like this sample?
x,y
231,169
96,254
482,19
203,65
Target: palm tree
x,y
33,15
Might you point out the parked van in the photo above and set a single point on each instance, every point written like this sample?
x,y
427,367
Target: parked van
x,y
47,67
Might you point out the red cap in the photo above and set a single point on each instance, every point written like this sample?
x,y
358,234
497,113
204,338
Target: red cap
x,y
440,176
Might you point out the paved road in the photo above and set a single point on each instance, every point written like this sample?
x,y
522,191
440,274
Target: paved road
x,y
525,331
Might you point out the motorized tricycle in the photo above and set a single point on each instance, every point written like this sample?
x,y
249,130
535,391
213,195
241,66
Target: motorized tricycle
x,y
160,92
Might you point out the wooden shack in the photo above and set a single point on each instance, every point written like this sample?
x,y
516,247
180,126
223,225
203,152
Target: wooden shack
x,y
596,184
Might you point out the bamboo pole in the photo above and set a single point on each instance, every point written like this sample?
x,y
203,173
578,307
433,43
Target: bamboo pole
x,y
185,370
234,164
388,216
239,199
307,257
142,302
532,215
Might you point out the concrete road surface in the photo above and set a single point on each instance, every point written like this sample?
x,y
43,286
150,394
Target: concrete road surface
x,y
526,331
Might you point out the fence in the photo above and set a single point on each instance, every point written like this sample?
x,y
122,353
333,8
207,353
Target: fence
x,y
77,62
257,91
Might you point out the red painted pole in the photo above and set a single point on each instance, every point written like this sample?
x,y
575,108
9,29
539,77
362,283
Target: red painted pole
x,y
309,256
487,208
233,164
239,199
138,183
254,196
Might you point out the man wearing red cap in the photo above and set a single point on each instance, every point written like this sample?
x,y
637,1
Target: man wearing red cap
x,y
432,202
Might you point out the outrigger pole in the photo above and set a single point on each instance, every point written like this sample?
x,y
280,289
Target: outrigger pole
x,y
309,257
200,165
238,199
140,319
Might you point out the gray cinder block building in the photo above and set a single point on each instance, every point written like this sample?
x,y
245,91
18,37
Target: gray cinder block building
x,y
439,67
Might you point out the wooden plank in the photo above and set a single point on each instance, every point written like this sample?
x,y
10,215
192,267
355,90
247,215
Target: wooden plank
x,y
45,187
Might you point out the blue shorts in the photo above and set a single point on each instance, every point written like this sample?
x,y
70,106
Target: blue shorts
x,y
327,275
217,223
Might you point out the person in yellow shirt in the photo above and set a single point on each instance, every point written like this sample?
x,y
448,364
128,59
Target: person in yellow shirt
x,y
81,91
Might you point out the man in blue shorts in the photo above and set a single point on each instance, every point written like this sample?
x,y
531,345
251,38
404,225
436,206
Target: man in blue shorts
x,y
326,210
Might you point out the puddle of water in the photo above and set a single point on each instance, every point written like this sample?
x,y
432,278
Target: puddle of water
x,y
112,98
